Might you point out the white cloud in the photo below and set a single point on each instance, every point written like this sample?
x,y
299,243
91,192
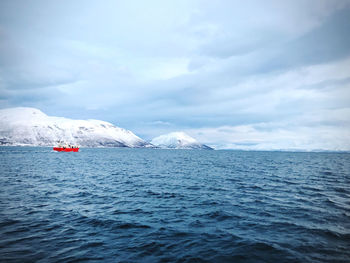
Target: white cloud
x,y
251,137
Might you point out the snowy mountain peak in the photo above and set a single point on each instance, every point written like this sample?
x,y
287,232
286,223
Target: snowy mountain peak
x,y
21,114
178,140
32,127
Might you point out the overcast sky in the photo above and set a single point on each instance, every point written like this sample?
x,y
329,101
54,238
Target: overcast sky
x,y
232,74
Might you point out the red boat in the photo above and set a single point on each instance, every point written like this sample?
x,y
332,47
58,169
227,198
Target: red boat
x,y
66,149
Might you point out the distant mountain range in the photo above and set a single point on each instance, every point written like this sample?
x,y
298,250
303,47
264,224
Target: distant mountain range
x,y
178,140
31,127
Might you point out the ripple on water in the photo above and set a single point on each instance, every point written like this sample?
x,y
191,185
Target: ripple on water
x,y
147,205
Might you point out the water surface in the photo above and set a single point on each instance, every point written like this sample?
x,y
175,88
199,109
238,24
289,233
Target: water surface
x,y
150,205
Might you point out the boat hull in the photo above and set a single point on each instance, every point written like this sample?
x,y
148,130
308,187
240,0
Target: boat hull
x,y
61,149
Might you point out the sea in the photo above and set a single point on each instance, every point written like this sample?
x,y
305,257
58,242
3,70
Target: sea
x,y
153,205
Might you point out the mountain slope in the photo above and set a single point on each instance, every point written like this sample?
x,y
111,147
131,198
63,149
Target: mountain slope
x,y
30,126
178,140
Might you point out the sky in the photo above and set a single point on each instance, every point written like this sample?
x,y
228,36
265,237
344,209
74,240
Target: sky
x,y
253,75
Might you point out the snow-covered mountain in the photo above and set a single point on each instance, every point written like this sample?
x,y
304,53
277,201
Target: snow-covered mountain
x,y
178,140
30,126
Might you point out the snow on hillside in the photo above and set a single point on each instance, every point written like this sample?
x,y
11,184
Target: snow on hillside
x,y
178,140
32,127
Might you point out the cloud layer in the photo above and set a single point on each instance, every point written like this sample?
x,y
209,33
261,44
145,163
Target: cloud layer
x,y
252,75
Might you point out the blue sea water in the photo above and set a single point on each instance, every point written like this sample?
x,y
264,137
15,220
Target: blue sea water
x,y
151,205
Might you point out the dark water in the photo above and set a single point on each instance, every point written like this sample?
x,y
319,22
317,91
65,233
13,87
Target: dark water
x,y
147,205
